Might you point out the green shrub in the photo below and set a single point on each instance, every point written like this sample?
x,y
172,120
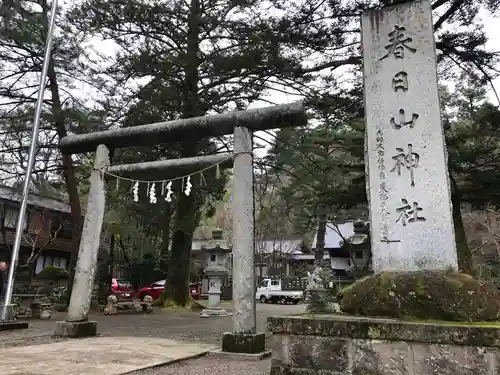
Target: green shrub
x,y
60,296
53,273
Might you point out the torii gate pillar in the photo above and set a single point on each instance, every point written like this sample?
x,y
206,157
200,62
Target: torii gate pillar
x,y
77,324
244,338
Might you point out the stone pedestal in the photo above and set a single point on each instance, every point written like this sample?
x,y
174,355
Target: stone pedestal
x,y
10,323
214,292
340,344
10,313
76,329
244,343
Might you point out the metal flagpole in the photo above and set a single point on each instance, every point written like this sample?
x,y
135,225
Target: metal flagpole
x,y
31,161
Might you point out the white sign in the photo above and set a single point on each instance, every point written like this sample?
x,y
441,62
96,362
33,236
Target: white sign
x,y
409,191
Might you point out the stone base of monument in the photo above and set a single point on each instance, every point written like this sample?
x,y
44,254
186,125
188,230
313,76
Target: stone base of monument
x,y
419,323
426,294
75,329
250,346
337,344
213,312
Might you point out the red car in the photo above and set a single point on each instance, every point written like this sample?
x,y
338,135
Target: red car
x,y
155,289
122,288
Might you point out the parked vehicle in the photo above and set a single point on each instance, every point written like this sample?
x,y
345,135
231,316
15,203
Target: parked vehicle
x,y
194,290
156,289
271,290
122,288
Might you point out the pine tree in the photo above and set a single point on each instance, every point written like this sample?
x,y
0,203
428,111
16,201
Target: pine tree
x,y
201,57
23,32
325,167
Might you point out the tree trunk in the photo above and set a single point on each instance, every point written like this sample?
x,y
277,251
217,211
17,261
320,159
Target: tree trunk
x,y
165,238
164,258
112,256
103,275
180,255
463,251
68,170
3,232
320,239
187,211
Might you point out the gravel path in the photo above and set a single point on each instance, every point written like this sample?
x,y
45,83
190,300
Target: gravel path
x,y
180,326
211,366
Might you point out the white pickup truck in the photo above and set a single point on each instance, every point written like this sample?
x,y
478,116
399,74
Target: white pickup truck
x,y
270,290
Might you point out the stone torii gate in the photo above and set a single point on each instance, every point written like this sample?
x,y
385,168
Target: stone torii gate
x,y
244,338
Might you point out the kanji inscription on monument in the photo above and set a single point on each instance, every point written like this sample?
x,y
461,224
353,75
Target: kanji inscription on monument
x,y
410,206
398,43
406,159
402,120
400,82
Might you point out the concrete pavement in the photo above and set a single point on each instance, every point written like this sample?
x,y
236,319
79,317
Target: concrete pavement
x,y
96,356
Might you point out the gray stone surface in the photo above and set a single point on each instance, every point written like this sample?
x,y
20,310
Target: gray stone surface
x,y
244,343
331,345
172,166
81,295
99,355
243,234
207,313
75,329
328,355
277,116
410,208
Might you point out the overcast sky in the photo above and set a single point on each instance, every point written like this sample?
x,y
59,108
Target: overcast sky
x,y
490,24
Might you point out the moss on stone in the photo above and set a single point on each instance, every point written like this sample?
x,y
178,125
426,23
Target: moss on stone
x,y
250,343
429,295
372,328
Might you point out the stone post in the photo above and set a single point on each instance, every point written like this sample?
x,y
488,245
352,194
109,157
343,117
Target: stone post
x,y
409,191
214,292
77,324
244,338
214,285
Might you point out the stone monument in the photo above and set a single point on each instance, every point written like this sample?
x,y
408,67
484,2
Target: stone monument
x,y
217,253
409,190
407,318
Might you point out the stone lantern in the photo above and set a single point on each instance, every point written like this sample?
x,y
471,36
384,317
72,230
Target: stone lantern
x,y
359,241
217,253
